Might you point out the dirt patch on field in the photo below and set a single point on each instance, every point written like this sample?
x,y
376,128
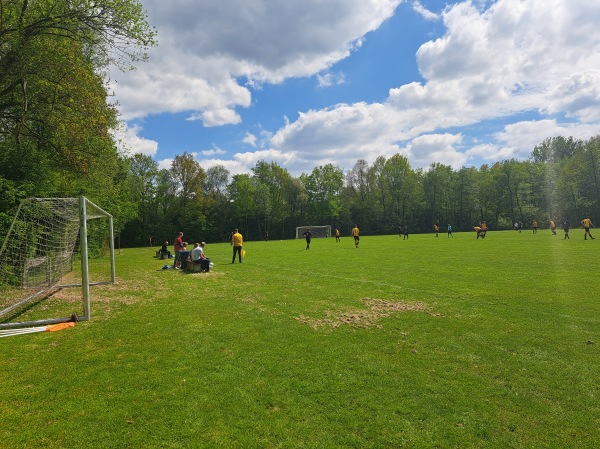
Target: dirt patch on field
x,y
362,318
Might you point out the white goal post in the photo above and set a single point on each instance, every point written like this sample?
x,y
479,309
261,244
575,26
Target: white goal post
x,y
39,252
316,231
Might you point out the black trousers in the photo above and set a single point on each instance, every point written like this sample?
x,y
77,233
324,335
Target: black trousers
x,y
238,250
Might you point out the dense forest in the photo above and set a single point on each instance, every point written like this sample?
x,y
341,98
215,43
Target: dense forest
x,y
56,141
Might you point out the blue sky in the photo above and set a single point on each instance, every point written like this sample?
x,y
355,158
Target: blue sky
x,y
310,82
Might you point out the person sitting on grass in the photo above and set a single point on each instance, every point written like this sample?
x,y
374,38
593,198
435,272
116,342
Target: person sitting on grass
x,y
164,251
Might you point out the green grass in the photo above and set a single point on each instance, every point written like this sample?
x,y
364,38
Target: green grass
x,y
463,343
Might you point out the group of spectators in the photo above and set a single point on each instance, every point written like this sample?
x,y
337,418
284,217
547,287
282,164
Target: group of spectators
x,y
197,255
183,256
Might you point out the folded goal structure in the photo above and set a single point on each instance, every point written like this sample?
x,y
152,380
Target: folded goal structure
x,y
47,248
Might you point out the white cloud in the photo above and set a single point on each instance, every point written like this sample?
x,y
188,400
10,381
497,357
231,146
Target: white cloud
x,y
517,140
425,149
207,48
213,152
512,58
165,164
329,79
578,96
130,142
495,60
242,162
250,139
424,12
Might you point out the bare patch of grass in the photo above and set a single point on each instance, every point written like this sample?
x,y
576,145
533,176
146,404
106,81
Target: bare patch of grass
x,y
363,318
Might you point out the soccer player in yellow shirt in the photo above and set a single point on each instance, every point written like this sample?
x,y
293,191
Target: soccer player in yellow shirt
x,y
237,241
587,224
356,235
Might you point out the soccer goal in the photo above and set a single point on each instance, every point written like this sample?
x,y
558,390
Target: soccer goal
x,y
316,231
39,258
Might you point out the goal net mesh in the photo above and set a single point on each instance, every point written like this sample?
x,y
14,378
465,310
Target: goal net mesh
x,y
39,254
316,231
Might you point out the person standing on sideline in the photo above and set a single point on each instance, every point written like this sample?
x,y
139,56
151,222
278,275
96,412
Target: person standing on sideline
x,y
356,235
553,226
307,235
237,241
436,229
587,224
534,226
566,227
337,235
177,249
450,231
405,232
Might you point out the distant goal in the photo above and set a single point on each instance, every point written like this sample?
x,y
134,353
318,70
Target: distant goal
x,y
316,231
47,249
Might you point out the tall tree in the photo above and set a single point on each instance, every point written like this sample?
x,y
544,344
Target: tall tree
x,y
358,185
324,186
53,108
190,178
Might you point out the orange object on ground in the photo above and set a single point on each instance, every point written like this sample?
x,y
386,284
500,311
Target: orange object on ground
x,y
59,326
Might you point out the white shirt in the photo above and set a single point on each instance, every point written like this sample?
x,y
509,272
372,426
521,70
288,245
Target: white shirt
x,y
197,253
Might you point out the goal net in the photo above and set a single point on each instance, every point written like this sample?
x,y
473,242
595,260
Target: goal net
x,y
316,231
48,248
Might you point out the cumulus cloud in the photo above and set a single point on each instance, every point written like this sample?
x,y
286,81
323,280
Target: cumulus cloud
x,y
578,96
207,49
425,149
129,141
250,139
495,60
512,58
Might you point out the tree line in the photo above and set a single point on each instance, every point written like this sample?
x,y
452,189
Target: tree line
x,y
56,140
561,180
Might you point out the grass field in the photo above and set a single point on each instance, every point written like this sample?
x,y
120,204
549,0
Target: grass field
x,y
418,343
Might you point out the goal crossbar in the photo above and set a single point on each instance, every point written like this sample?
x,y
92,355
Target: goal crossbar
x,y
315,231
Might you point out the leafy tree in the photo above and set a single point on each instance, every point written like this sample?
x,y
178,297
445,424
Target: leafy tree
x,y
324,187
190,180
436,188
241,192
358,184
274,205
53,109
